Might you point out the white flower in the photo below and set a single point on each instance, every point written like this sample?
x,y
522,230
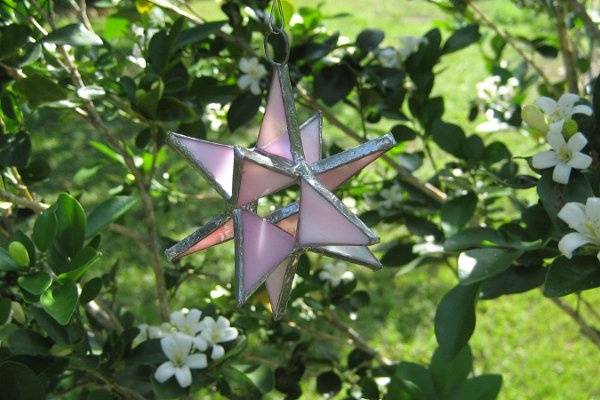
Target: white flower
x,y
216,115
585,220
388,57
335,274
410,44
564,155
351,204
253,71
187,321
391,196
215,332
562,109
428,247
492,124
177,349
499,96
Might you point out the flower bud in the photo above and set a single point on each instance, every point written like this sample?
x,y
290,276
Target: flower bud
x,y
18,253
534,117
61,350
569,128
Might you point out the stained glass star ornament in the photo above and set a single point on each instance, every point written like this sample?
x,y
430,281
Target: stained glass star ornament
x,y
286,154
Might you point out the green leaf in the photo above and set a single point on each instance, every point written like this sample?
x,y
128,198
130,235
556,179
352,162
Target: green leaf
x,y
148,352
172,109
329,383
474,237
334,83
398,255
74,35
242,110
79,264
12,38
570,276
198,33
18,252
108,211
45,229
517,279
5,306
7,263
56,332
36,283
90,290
479,264
369,39
448,136
237,386
38,89
413,379
482,387
71,224
262,377
27,342
20,383
457,212
403,133
147,101
462,38
455,319
449,374
60,302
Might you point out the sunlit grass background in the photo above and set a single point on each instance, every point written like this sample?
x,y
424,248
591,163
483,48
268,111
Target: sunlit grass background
x,y
538,349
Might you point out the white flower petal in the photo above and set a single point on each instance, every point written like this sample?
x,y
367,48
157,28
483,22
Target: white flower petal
x,y
570,242
169,346
229,334
245,81
197,361
566,103
577,142
184,376
222,322
177,318
592,208
555,137
164,371
194,315
217,352
547,104
200,343
245,65
580,161
545,159
561,173
573,214
255,88
582,109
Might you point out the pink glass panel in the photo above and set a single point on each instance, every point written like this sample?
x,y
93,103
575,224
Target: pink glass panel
x,y
258,181
289,224
219,235
311,140
265,247
216,159
274,283
334,178
273,137
322,224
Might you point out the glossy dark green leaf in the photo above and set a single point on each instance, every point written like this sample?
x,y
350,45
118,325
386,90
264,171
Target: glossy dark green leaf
x,y
6,262
462,38
71,221
147,352
36,283
59,334
27,342
237,386
478,264
474,237
482,387
262,377
411,381
242,110
12,38
80,263
448,136
570,276
172,109
329,383
458,211
450,374
38,90
403,133
74,35
20,382
108,211
358,357
398,255
45,229
60,302
455,319
517,279
198,33
90,290
369,39
334,83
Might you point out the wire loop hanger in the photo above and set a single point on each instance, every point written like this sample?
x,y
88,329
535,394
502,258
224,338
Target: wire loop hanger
x,y
276,30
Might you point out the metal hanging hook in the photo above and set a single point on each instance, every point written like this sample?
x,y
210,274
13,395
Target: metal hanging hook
x,y
276,30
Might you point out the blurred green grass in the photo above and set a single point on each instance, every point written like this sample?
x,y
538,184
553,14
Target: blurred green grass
x,y
535,346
